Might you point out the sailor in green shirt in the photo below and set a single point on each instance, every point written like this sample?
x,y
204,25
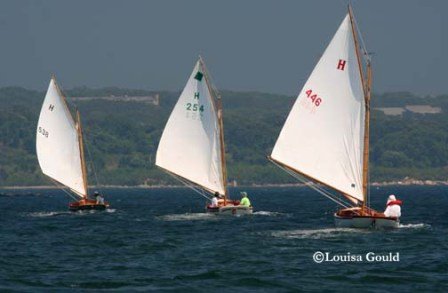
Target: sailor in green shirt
x,y
244,199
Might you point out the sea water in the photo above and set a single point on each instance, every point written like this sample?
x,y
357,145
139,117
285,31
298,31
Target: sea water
x,y
161,239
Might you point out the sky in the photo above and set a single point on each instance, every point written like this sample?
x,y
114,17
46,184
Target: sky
x,y
248,45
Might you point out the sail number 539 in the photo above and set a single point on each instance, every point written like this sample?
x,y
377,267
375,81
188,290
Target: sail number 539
x,y
315,99
43,131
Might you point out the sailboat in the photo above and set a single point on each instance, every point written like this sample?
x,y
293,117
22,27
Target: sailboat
x,y
192,148
60,149
325,139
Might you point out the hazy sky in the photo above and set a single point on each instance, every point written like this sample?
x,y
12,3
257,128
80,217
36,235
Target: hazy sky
x,y
262,45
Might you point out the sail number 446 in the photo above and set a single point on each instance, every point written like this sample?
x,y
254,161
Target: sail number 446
x,y
313,97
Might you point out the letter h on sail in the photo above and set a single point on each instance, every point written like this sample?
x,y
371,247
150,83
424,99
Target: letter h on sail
x,y
341,64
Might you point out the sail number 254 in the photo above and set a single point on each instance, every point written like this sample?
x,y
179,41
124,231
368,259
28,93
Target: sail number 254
x,y
195,107
313,97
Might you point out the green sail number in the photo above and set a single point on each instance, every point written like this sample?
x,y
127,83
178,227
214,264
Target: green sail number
x,y
195,107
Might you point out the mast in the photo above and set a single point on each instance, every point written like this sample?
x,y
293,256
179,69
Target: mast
x,y
81,145
366,88
223,148
365,170
219,113
81,148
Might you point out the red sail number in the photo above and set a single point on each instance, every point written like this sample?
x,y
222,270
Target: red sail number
x,y
313,97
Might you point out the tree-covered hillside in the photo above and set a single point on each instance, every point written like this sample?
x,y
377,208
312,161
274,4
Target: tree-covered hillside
x,y
122,136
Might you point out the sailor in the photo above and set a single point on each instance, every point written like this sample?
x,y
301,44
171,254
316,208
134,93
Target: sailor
x,y
244,199
393,207
99,198
215,200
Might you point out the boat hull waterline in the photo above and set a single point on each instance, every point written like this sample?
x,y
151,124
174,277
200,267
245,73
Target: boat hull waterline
x,y
86,204
230,209
353,218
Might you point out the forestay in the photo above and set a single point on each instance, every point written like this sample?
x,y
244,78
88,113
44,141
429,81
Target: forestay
x,y
57,142
190,143
323,135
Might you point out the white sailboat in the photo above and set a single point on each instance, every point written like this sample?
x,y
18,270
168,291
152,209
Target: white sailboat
x,y
60,150
192,144
325,139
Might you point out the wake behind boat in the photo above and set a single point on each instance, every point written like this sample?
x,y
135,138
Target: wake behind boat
x,y
325,139
60,149
192,148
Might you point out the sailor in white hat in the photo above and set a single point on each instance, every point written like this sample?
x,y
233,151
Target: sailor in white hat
x,y
393,207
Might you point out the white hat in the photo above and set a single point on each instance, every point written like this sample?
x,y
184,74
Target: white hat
x,y
391,198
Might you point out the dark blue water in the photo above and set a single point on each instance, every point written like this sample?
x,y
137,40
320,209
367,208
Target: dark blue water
x,y
160,240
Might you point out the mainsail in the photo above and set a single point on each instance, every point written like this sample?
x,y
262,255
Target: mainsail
x,y
323,136
191,145
58,142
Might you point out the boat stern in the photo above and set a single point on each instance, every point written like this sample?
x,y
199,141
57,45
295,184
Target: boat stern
x,y
230,209
87,204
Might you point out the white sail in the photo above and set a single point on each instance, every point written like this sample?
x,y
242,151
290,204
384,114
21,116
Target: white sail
x,y
323,135
57,142
190,144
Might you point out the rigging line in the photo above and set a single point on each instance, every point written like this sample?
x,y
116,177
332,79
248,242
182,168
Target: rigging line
x,y
368,188
67,99
315,187
312,185
360,37
322,191
69,194
70,102
92,165
191,186
212,83
347,2
63,189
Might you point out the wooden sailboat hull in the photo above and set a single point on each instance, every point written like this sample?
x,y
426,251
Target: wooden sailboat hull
x,y
230,209
387,223
354,218
87,204
355,222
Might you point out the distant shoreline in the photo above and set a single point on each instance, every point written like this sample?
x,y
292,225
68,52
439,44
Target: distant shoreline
x,y
408,182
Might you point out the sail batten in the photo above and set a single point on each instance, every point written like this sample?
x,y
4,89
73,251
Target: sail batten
x,y
57,142
190,145
323,136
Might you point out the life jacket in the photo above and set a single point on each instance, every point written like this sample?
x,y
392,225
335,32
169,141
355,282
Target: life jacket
x,y
395,202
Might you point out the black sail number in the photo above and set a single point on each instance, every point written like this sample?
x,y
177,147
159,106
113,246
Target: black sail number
x,y
43,131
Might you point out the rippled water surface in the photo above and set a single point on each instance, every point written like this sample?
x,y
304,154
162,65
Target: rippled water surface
x,y
160,239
